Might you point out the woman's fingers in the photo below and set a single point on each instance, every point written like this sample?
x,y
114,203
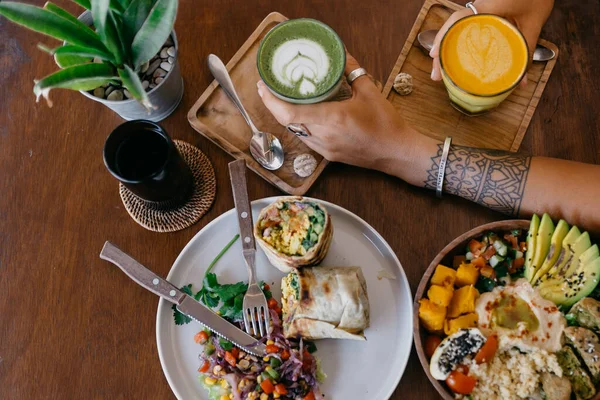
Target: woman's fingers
x,y
287,113
363,84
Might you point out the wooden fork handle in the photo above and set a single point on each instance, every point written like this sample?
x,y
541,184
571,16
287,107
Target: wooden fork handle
x,y
237,172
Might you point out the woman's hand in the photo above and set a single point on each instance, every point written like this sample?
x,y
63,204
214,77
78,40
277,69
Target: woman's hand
x,y
528,16
365,130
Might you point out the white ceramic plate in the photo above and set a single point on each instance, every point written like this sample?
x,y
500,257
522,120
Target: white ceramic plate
x,y
356,370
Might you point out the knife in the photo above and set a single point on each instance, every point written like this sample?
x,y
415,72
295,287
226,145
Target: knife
x,y
184,303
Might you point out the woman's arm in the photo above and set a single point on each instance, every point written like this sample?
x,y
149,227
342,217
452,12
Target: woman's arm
x,y
510,183
367,131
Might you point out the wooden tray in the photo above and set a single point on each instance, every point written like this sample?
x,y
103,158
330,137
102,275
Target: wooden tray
x,y
215,117
428,107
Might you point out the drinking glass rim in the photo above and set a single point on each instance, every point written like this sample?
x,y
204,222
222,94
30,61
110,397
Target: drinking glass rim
x,y
514,85
323,24
159,130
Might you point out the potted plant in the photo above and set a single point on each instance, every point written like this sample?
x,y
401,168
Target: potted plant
x,y
127,61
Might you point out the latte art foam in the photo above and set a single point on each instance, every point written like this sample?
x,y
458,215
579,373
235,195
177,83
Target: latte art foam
x,y
300,63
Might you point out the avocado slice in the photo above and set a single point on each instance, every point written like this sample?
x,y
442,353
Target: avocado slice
x,y
563,257
542,245
589,255
581,245
561,231
531,238
569,290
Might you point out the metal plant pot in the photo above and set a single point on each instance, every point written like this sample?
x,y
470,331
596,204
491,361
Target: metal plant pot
x,y
165,97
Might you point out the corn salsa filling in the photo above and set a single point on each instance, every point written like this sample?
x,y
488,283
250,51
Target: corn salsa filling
x,y
294,228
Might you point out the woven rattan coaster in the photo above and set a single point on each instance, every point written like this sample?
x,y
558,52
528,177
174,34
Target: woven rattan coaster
x,y
205,189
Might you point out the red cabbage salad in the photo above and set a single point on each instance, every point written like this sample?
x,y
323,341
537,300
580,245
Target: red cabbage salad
x,y
288,371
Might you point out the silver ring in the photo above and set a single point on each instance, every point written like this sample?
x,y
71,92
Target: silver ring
x,y
354,75
470,6
299,130
442,170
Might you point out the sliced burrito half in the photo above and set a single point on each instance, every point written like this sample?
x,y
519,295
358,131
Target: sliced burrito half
x,y
325,302
294,233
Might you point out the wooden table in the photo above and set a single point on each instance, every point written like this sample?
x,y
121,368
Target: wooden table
x,y
73,326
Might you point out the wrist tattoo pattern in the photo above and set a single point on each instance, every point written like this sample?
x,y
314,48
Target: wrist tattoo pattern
x,y
492,178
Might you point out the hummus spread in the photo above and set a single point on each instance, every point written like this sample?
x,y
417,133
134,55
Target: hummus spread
x,y
520,317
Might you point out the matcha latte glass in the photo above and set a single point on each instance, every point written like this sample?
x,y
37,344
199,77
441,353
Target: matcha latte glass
x,y
302,61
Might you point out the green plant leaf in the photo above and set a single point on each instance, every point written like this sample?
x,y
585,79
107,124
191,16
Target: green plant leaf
x,y
48,23
133,84
118,5
114,41
83,3
82,51
70,60
61,12
99,15
154,31
134,17
79,77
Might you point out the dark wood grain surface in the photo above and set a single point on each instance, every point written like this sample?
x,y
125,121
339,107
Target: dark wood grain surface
x,y
73,326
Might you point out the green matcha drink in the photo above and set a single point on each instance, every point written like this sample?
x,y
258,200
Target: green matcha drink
x,y
302,61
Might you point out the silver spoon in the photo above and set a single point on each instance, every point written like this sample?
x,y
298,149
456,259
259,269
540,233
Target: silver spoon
x,y
540,53
264,147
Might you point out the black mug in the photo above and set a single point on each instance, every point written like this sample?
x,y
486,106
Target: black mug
x,y
143,157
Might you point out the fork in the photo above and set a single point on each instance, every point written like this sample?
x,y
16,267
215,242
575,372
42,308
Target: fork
x,y
256,311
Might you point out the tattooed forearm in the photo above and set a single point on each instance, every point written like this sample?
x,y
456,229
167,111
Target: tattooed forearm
x,y
492,178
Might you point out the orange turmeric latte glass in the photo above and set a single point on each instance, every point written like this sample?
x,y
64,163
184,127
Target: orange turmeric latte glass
x,y
483,58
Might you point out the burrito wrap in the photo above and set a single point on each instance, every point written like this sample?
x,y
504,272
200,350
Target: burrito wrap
x,y
286,262
325,302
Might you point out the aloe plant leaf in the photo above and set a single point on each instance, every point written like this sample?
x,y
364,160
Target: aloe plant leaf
x,y
83,3
154,31
48,23
70,60
118,5
99,15
82,51
65,60
134,17
132,82
114,40
61,12
79,77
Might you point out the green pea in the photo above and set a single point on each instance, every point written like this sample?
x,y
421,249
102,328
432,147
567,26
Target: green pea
x,y
274,362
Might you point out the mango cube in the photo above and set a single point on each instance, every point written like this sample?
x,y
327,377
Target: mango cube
x,y
467,274
463,322
463,301
431,315
440,295
443,276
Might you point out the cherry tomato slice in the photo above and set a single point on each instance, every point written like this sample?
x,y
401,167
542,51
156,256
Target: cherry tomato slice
x,y
431,343
310,396
460,383
230,359
271,348
280,389
488,272
267,386
487,351
201,337
204,367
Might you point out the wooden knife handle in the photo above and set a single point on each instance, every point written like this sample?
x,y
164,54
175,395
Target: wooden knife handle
x,y
140,274
237,172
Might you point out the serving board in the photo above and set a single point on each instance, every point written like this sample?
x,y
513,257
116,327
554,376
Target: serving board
x,y
215,117
428,107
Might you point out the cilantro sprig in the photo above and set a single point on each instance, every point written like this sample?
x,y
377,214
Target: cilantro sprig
x,y
213,293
